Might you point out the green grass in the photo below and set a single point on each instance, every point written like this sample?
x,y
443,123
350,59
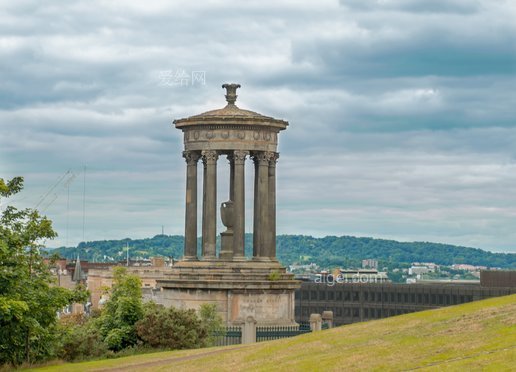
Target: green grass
x,y
475,336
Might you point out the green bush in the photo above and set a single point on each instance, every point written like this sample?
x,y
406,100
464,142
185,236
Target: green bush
x,y
82,341
171,328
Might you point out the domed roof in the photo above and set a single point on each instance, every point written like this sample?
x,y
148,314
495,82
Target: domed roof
x,y
230,114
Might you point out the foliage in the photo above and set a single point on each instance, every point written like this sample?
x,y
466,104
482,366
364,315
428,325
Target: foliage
x,y
172,328
122,311
273,276
212,323
111,330
80,294
81,339
28,301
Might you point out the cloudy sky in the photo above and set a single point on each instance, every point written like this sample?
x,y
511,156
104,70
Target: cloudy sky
x,y
402,112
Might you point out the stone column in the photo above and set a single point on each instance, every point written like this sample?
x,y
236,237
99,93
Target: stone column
x,y
190,249
203,224
256,211
231,160
271,243
239,204
210,157
261,203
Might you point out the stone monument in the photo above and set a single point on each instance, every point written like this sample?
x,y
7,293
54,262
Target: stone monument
x,y
259,287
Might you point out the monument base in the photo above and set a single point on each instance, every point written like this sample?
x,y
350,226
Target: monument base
x,y
263,290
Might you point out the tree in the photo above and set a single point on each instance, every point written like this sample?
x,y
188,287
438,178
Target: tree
x,y
122,311
28,301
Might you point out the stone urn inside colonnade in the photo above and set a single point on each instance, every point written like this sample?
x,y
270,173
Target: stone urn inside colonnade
x,y
257,286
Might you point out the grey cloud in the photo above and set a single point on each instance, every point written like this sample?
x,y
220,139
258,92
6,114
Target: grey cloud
x,y
416,6
402,122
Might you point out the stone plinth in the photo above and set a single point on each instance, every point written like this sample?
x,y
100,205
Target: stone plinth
x,y
262,290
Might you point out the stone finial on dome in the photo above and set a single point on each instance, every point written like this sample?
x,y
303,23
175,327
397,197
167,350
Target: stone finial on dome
x,y
231,95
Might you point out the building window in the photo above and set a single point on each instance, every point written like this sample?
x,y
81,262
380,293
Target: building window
x,y
356,313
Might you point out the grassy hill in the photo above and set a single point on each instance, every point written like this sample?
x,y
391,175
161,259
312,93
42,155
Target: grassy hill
x,y
475,336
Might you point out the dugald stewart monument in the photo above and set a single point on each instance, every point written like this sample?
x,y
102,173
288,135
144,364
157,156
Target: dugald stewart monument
x,y
258,287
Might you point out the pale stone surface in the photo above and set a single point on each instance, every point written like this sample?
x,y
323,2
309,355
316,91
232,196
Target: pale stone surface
x,y
274,307
262,290
315,322
249,330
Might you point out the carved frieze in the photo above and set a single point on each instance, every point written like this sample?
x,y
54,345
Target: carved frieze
x,y
230,135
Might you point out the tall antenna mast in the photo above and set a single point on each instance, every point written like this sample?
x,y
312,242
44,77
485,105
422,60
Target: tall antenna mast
x,y
67,211
84,204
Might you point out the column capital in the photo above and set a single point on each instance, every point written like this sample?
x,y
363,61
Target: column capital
x,y
209,156
239,156
262,157
274,159
191,157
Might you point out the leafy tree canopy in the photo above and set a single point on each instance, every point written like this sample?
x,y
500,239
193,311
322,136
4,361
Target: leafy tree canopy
x,y
28,301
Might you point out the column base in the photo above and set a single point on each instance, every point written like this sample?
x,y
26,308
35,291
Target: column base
x,y
190,258
264,259
210,258
226,255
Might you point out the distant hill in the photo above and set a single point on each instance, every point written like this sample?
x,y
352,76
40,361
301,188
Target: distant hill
x,y
330,251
